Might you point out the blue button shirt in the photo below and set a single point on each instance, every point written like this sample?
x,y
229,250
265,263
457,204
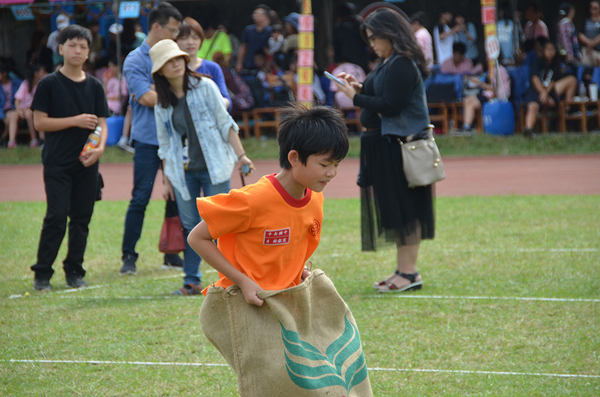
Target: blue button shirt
x,y
138,74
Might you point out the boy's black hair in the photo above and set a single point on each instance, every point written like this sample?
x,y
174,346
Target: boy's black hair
x,y
161,14
459,47
75,32
263,7
318,130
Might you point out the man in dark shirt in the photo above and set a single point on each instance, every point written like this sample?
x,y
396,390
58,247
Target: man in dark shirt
x,y
68,105
255,39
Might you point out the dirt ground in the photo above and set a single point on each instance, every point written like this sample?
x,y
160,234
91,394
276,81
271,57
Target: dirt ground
x,y
474,176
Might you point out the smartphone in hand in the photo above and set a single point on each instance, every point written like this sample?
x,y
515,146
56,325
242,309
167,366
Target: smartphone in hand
x,y
333,78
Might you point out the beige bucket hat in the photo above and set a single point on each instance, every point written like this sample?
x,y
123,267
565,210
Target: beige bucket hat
x,y
163,51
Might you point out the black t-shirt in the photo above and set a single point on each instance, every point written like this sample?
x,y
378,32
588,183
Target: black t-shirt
x,y
548,72
62,97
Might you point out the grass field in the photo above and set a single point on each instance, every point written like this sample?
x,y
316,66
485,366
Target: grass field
x,y
480,327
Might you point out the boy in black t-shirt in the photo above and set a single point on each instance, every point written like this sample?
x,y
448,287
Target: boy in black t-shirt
x,y
68,105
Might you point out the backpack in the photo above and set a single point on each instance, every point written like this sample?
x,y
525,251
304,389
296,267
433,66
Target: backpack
x,y
241,96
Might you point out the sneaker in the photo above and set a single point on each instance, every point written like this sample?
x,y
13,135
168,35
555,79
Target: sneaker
x,y
12,144
124,144
42,284
128,265
528,133
189,289
76,281
171,261
34,143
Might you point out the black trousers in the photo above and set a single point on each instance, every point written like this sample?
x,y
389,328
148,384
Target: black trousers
x,y
70,192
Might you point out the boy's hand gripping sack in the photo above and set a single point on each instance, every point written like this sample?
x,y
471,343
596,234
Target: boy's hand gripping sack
x,y
303,341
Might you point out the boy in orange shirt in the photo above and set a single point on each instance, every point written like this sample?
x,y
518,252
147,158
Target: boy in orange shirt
x,y
268,230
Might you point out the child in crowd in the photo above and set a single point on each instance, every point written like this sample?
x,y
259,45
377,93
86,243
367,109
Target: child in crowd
x,y
276,41
68,105
23,100
312,142
111,87
8,113
549,81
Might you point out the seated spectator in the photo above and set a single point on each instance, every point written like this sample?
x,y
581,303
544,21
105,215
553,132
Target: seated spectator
x,y
423,37
190,38
467,34
567,36
341,100
549,81
535,27
533,51
8,112
590,37
459,63
488,89
23,100
276,41
110,80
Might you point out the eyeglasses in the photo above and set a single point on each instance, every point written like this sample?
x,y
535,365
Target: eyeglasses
x,y
174,32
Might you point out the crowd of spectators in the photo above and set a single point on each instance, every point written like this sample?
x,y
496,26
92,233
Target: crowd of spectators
x,y
259,68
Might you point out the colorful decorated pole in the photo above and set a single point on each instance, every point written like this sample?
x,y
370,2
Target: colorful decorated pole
x,y
306,45
492,45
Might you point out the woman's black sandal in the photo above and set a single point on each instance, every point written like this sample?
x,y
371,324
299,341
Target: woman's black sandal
x,y
414,284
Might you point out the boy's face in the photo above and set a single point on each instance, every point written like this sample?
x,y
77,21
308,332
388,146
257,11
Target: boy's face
x,y
75,51
319,170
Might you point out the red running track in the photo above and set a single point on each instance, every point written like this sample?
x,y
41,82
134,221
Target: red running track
x,y
473,176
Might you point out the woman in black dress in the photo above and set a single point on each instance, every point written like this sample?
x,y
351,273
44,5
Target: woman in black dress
x,y
394,109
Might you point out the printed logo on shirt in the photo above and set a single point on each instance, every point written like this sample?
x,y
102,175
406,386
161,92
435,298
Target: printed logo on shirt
x,y
315,229
277,237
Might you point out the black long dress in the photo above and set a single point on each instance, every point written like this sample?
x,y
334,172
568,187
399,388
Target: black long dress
x,y
390,210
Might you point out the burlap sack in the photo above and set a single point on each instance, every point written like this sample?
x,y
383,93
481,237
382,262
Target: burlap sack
x,y
302,342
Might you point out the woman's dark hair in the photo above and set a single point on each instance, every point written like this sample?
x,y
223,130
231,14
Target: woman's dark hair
x,y
167,97
319,130
564,9
390,25
418,17
32,71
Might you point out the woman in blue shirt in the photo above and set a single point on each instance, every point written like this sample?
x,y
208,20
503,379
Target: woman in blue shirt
x,y
198,143
189,40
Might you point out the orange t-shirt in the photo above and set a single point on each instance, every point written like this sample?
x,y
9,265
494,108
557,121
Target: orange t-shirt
x,y
264,232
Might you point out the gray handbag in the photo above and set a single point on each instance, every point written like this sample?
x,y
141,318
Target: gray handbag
x,y
422,161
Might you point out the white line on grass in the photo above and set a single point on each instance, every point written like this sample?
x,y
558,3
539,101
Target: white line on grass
x,y
523,250
443,371
517,298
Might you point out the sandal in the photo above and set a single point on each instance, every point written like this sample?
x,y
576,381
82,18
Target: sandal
x,y
414,284
384,283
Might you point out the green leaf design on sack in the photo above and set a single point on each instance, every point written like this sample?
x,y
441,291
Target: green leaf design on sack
x,y
325,369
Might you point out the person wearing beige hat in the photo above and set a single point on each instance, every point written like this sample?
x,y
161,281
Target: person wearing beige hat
x,y
198,143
